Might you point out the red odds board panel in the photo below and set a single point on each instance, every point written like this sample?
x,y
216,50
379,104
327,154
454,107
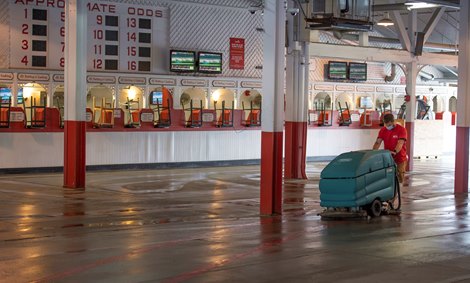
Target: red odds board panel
x,y
121,37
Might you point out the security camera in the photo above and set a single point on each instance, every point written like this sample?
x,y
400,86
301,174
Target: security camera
x,y
293,11
252,10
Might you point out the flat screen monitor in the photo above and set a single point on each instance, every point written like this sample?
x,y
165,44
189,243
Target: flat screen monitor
x,y
365,102
337,70
358,71
182,61
156,97
210,62
5,94
20,96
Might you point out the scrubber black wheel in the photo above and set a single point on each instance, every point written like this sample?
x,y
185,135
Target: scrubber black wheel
x,y
375,208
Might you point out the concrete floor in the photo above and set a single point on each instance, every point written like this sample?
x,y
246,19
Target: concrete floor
x,y
202,225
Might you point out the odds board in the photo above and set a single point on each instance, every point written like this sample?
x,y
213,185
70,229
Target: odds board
x,y
121,37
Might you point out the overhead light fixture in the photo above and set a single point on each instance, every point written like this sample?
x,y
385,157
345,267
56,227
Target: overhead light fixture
x,y
419,5
385,21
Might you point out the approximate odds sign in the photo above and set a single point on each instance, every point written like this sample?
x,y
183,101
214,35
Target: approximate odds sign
x,y
121,37
237,53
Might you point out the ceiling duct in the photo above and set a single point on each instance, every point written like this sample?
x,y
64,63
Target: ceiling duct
x,y
426,76
341,15
393,74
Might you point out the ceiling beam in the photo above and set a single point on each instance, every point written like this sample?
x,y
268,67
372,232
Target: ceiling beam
x,y
371,54
402,33
435,18
389,7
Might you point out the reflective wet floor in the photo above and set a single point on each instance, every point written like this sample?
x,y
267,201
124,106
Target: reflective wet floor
x,y
203,225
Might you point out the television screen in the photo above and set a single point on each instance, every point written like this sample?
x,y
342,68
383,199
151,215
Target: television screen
x,y
5,94
358,71
156,97
365,102
182,61
210,62
337,70
20,96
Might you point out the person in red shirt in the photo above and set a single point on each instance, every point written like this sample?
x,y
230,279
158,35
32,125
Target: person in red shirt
x,y
394,137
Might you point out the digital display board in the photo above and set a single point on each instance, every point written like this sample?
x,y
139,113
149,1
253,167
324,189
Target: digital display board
x,y
337,70
182,61
209,62
358,71
134,37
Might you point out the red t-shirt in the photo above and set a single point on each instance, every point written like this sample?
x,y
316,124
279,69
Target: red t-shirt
x,y
391,137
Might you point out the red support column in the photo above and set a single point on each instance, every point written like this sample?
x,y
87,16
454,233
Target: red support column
x,y
74,154
296,150
75,93
463,105
272,131
271,173
461,160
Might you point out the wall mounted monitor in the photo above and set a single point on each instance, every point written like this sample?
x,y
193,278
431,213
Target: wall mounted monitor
x,y
156,97
210,62
182,61
358,71
5,94
20,96
337,70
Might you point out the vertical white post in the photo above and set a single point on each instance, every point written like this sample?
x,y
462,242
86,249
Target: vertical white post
x,y
75,93
463,105
272,107
411,76
297,69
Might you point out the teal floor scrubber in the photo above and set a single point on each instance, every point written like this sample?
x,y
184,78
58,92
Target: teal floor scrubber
x,y
358,184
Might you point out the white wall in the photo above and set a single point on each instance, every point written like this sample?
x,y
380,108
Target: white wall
x,y
26,150
29,150
332,142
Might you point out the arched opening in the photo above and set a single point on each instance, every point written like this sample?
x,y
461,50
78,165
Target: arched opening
x,y
100,99
58,102
161,102
438,107
383,102
399,101
193,100
453,104
345,100
33,98
453,109
251,101
5,105
223,101
322,101
364,102
344,105
131,102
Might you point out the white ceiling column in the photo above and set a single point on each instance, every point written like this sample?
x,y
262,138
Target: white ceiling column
x,y
297,73
75,92
272,107
411,76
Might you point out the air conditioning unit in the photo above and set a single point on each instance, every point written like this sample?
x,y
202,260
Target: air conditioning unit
x,y
341,15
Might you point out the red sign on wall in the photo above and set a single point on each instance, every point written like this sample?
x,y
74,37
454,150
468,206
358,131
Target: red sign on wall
x,y
237,53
